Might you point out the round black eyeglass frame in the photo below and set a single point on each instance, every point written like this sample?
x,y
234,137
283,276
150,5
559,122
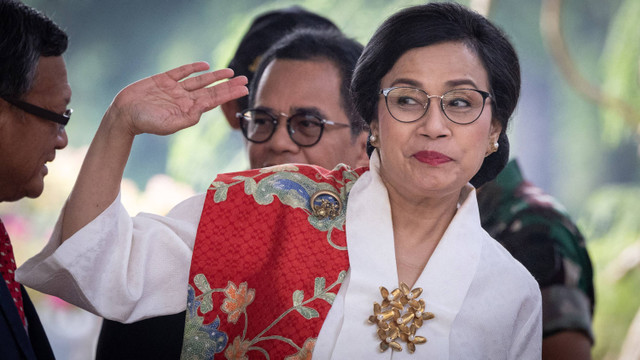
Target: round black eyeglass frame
x,y
274,118
62,119
386,91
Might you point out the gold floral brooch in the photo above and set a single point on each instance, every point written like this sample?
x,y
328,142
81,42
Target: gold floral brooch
x,y
399,316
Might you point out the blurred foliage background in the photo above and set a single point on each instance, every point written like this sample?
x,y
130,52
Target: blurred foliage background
x,y
575,131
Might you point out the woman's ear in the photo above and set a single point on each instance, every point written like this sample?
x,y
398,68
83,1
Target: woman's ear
x,y
373,131
361,145
495,130
373,127
494,135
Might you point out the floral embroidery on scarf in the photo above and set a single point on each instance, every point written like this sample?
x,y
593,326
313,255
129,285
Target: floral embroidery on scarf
x,y
306,351
237,301
201,341
228,309
204,341
237,350
294,189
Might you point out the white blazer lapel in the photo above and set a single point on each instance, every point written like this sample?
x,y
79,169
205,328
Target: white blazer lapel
x,y
372,264
447,277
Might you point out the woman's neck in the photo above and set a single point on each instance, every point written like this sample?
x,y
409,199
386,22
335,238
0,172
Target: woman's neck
x,y
418,226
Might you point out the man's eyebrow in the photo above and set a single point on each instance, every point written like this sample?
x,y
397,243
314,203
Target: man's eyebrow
x,y
308,111
265,108
305,110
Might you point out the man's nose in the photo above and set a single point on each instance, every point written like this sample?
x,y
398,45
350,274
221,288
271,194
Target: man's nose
x,y
61,138
281,140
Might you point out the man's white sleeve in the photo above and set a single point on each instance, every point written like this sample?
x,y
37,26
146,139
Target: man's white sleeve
x,y
118,267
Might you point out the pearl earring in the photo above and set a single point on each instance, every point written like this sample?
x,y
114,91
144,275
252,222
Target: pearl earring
x,y
494,148
372,138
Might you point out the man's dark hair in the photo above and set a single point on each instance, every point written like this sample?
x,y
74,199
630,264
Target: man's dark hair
x,y
318,45
266,30
25,36
432,24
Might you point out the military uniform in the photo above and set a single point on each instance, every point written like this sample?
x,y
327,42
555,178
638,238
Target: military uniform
x,y
538,232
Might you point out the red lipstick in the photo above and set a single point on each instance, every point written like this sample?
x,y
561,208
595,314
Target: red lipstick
x,y
432,158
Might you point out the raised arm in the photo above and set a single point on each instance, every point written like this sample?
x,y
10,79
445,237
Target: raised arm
x,y
162,104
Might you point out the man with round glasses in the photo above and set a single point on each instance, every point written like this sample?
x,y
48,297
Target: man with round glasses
x,y
304,129
300,108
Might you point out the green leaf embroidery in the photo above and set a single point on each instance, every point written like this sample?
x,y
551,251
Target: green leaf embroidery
x,y
201,283
298,296
341,276
207,303
250,186
217,184
349,175
319,286
220,195
307,312
328,297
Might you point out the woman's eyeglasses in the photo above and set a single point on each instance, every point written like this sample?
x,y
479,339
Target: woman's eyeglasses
x,y
461,106
258,126
43,113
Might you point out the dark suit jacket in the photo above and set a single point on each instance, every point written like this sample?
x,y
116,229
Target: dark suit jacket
x,y
14,341
154,338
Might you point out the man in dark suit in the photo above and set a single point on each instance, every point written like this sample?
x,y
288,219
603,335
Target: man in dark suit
x,y
34,94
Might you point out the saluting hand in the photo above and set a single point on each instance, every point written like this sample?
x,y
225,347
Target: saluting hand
x,y
168,102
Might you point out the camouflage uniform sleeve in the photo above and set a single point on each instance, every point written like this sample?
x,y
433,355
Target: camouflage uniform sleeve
x,y
550,246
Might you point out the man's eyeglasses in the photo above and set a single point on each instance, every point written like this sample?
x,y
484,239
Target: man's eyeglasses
x,y
461,106
61,119
304,129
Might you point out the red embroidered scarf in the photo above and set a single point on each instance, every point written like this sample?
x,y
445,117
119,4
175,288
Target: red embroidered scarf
x,y
265,266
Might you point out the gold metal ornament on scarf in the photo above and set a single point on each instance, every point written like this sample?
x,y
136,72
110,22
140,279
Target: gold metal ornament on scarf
x,y
399,316
325,204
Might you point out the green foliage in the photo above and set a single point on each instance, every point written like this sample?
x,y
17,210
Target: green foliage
x,y
621,64
197,154
612,212
612,223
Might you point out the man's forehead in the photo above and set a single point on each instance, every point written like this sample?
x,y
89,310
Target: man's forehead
x,y
50,81
292,85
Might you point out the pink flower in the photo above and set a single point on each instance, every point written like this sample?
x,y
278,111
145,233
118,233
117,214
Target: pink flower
x,y
305,352
237,350
237,300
